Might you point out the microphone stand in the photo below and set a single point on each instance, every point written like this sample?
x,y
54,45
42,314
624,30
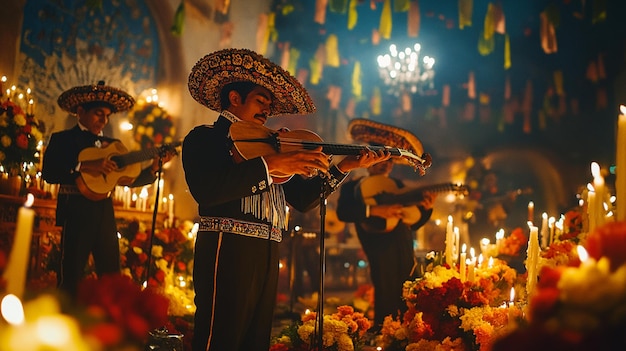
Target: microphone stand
x,y
154,219
320,301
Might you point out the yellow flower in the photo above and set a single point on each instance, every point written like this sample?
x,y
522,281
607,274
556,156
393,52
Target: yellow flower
x,y
6,141
20,120
150,118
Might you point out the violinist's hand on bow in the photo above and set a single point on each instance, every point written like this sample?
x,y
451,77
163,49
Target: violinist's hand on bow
x,y
304,162
365,159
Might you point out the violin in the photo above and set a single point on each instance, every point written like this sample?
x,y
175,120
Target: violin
x,y
253,140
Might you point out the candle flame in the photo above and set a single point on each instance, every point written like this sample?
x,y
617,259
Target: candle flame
x,y
582,253
595,169
512,296
12,309
30,200
463,248
622,108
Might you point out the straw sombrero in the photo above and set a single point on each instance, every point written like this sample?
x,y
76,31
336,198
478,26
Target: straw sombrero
x,y
119,100
215,70
376,133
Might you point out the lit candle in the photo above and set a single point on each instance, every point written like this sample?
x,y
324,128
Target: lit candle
x,y
532,257
551,224
600,188
471,266
484,247
17,267
463,263
2,81
591,209
457,238
170,209
511,305
620,161
499,238
544,230
531,209
449,241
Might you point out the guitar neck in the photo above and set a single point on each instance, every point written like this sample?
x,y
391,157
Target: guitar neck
x,y
413,196
135,156
142,155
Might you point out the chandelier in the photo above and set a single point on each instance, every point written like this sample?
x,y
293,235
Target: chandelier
x,y
404,71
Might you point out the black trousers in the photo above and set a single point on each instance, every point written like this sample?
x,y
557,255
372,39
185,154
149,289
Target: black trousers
x,y
89,228
235,281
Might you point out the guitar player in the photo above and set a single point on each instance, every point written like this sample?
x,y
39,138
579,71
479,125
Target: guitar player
x,y
88,226
390,253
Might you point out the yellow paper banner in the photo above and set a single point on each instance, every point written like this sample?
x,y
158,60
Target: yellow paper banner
x,y
465,13
332,51
352,14
357,87
385,20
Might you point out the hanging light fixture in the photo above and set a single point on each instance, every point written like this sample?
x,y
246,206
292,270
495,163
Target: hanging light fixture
x,y
405,71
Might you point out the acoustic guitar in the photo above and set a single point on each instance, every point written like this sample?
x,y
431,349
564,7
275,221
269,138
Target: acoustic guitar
x,y
382,190
99,186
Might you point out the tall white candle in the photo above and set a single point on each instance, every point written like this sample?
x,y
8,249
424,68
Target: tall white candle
x,y
463,264
601,193
531,211
532,256
170,209
471,266
620,163
592,210
457,238
17,267
544,230
449,241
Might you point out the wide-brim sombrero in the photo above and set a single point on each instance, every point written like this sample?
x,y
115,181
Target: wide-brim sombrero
x,y
215,70
118,99
380,134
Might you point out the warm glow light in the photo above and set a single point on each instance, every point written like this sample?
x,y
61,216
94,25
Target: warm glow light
x,y
463,248
622,108
512,295
30,200
402,70
126,126
12,310
582,253
595,169
53,330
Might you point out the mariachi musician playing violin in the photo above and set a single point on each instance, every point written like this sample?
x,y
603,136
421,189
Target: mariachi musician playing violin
x,y
242,199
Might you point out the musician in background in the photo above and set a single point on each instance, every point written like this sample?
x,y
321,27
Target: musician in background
x,y
242,198
389,250
88,226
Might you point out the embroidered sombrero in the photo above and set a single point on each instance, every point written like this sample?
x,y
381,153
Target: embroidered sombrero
x,y
119,100
215,70
376,133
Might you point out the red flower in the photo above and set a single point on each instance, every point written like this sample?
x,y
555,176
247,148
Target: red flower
x,y
124,303
22,141
608,241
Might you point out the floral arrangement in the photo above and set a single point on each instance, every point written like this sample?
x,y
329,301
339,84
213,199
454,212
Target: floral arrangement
x,y
342,331
171,262
19,137
153,125
579,307
109,313
513,244
447,313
